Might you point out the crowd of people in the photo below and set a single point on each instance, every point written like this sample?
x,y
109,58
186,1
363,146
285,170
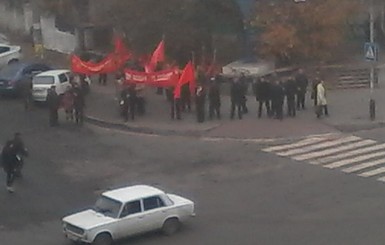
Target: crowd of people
x,y
72,101
271,92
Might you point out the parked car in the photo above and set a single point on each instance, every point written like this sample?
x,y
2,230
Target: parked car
x,y
9,54
43,81
12,76
128,211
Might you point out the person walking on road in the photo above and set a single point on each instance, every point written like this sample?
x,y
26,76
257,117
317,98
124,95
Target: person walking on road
x,y
26,92
322,105
53,101
302,83
214,99
236,99
8,158
290,89
79,104
20,151
11,157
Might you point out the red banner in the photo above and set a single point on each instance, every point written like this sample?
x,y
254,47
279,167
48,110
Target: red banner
x,y
107,65
165,78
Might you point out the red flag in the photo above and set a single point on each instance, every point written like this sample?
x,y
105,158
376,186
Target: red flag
x,y
157,56
188,76
121,52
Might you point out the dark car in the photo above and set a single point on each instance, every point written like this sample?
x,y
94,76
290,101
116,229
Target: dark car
x,y
13,75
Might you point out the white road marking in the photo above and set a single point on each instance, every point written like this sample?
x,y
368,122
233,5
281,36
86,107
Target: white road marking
x,y
381,179
294,145
354,160
373,172
364,165
319,146
327,152
348,154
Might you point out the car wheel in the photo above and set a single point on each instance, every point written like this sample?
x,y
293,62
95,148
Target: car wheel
x,y
103,239
170,226
13,61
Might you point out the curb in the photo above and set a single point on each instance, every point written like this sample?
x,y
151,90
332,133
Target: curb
x,y
197,133
355,128
145,130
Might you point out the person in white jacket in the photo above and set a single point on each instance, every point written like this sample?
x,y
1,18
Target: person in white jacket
x,y
322,105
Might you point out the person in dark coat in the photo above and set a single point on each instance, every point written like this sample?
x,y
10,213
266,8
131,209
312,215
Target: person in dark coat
x,y
244,82
159,66
132,99
26,91
262,95
53,101
79,104
9,163
21,151
236,93
302,83
278,96
185,98
290,90
200,101
174,103
214,99
103,79
124,103
314,90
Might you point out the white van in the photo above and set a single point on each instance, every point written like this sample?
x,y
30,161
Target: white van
x,y
43,81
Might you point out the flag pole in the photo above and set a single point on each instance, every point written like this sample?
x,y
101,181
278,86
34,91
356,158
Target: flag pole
x,y
193,58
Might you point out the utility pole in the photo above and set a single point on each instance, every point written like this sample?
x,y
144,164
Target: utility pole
x,y
372,102
37,35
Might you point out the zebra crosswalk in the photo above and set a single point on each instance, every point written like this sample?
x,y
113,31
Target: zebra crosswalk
x,y
348,153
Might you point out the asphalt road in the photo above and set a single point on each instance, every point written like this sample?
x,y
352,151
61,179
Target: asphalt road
x,y
243,195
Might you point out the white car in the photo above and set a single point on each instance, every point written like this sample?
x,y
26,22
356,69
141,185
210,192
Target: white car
x,y
128,211
43,81
9,54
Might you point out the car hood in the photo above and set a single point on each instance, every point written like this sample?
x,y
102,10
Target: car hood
x,y
87,219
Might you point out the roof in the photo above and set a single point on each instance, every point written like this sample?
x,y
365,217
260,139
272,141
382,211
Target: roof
x,y
52,72
132,193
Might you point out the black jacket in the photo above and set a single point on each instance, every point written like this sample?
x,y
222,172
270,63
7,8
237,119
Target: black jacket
x,y
236,92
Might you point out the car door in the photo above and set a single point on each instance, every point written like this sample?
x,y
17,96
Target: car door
x,y
130,219
155,212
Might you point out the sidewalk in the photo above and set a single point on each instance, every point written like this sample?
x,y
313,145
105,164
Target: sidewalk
x,y
349,111
102,109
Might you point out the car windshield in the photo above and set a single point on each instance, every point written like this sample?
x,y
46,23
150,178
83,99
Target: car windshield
x,y
9,71
43,80
107,206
